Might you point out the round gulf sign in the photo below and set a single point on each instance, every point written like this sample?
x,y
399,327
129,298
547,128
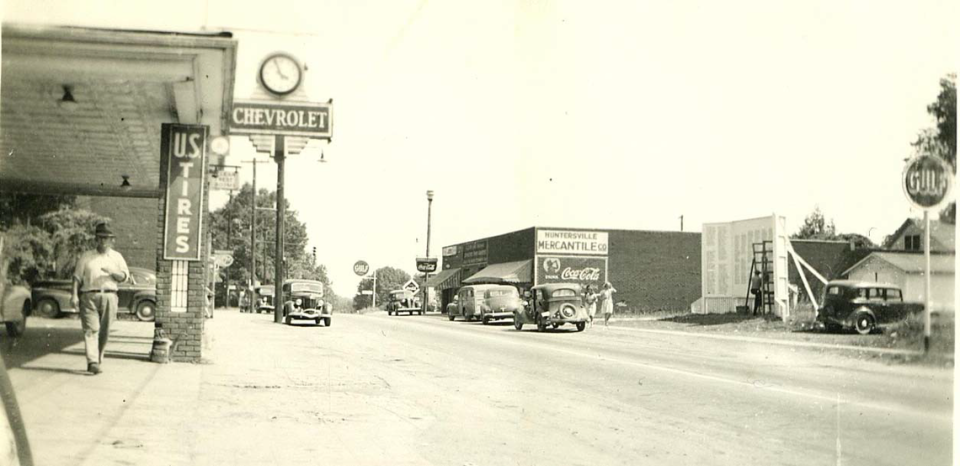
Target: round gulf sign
x,y
927,181
220,145
361,268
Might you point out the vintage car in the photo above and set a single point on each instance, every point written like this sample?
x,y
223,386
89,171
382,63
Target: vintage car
x,y
485,303
553,304
137,295
304,301
15,304
403,301
264,299
863,306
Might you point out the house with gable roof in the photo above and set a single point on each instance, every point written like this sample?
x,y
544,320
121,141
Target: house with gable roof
x,y
901,262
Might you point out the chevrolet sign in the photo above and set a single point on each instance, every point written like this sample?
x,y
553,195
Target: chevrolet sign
x,y
293,119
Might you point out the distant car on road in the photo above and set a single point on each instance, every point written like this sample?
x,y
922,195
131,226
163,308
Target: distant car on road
x,y
863,306
403,301
553,304
264,299
137,295
485,303
305,302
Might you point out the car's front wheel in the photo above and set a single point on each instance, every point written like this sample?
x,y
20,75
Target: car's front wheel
x,y
451,317
327,321
581,326
147,311
865,323
517,322
48,308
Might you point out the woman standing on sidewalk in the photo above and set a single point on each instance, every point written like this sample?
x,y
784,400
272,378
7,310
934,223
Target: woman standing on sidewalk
x,y
606,295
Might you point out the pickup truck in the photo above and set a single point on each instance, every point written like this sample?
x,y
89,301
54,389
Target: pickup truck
x,y
863,306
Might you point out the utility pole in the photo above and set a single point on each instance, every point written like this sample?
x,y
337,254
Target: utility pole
x,y
681,223
253,223
426,275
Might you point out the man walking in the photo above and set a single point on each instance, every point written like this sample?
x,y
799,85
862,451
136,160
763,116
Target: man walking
x,y
95,282
755,285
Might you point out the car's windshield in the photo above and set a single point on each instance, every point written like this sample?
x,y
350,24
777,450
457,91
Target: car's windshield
x,y
503,292
306,287
563,293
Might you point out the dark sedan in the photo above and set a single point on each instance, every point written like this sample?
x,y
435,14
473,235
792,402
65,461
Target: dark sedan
x,y
138,295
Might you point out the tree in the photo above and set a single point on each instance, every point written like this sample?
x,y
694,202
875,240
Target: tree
x,y
388,279
941,141
50,246
26,209
815,226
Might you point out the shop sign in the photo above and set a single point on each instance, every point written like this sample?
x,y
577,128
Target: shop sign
x,y
427,264
411,286
300,119
572,242
475,253
572,269
361,268
449,251
927,181
184,147
226,180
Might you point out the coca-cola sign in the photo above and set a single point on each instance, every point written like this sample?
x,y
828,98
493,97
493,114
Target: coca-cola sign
x,y
582,270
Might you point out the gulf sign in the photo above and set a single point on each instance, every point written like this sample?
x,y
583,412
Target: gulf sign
x,y
927,181
572,242
184,149
290,119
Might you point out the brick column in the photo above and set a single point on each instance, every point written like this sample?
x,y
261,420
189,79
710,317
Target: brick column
x,y
184,328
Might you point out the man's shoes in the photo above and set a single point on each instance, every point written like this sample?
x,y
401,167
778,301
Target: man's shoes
x,y
93,368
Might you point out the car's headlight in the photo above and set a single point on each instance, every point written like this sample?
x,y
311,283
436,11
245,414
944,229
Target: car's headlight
x,y
568,311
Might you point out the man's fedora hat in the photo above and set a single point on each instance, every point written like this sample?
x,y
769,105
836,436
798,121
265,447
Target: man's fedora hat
x,y
103,231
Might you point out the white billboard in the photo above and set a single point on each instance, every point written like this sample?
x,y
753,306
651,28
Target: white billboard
x,y
727,253
572,242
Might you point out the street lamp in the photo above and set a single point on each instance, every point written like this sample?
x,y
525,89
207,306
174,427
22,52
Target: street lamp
x,y
426,275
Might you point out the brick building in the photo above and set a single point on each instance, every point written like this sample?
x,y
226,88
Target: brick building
x,y
651,270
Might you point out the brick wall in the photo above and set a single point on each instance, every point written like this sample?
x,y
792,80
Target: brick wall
x,y
655,270
132,221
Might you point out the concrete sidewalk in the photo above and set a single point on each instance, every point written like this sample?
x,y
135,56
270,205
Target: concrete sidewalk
x,y
135,412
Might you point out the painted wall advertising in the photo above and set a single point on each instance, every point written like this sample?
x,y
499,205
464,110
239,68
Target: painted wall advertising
x,y
475,253
186,155
571,269
572,242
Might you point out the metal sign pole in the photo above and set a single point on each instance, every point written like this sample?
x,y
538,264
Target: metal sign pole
x,y
280,154
928,301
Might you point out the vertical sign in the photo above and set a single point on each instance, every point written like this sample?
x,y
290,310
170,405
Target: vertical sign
x,y
185,147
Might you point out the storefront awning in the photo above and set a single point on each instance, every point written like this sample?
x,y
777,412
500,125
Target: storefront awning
x,y
507,272
449,278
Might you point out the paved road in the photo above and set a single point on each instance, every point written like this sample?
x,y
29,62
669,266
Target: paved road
x,y
421,390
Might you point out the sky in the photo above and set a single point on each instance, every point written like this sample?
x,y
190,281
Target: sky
x,y
589,115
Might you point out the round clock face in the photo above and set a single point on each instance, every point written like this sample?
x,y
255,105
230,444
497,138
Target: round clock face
x,y
280,74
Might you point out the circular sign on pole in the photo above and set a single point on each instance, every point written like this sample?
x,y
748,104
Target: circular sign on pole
x,y
361,268
927,181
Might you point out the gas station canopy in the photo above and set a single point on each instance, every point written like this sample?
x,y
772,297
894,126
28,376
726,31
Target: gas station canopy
x,y
82,108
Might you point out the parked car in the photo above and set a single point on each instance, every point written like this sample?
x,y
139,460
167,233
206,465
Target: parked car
x,y
15,304
264,295
553,304
305,302
863,306
403,301
137,295
485,303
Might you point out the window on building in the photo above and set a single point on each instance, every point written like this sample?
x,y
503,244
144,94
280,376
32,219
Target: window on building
x,y
911,242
